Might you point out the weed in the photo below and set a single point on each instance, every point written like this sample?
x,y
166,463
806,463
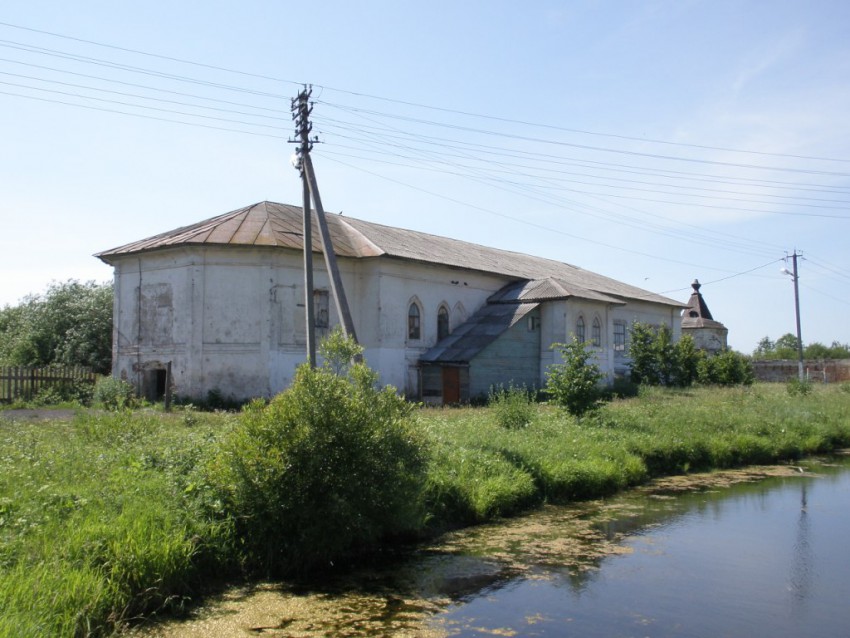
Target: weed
x,y
513,408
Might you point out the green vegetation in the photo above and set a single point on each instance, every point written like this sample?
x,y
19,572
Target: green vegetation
x,y
786,348
330,466
656,360
120,514
574,384
70,324
114,394
512,407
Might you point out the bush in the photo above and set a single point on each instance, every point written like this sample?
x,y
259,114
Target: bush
x,y
329,466
574,384
726,368
513,408
796,388
114,394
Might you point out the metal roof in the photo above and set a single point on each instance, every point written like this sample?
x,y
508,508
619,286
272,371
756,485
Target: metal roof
x,y
279,225
696,314
549,289
476,333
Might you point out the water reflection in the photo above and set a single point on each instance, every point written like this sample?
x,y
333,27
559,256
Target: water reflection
x,y
802,560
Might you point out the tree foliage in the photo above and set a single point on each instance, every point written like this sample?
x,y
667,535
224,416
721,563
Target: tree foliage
x,y
657,360
71,324
786,348
574,384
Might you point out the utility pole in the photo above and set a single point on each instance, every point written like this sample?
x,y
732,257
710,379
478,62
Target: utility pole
x,y
795,277
301,113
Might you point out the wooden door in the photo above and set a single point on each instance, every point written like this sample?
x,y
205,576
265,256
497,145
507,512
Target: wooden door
x,y
451,385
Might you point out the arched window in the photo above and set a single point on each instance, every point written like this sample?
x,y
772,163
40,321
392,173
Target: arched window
x,y
580,329
442,323
414,324
596,332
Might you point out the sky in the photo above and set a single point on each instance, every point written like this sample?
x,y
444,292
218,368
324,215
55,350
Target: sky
x,y
654,142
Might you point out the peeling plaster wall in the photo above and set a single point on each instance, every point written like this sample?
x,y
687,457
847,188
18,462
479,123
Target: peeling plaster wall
x,y
233,319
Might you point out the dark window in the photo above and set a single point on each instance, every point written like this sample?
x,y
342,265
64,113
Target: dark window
x,y
619,336
596,332
321,309
413,322
442,323
580,330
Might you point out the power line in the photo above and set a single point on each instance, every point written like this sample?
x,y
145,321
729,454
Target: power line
x,y
521,221
420,105
149,54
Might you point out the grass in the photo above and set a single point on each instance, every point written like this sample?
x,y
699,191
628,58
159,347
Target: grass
x,y
109,517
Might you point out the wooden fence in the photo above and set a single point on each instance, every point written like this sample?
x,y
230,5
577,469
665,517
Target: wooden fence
x,y
24,382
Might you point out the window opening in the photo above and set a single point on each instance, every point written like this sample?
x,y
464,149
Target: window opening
x,y
580,330
596,332
413,322
619,336
442,323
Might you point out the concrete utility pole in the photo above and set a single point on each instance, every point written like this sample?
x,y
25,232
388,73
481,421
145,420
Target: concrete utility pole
x,y
795,277
301,113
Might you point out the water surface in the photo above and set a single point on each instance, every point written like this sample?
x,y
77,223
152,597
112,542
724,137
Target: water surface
x,y
761,552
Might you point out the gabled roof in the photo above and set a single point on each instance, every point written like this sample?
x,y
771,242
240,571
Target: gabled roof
x,y
549,289
279,225
476,333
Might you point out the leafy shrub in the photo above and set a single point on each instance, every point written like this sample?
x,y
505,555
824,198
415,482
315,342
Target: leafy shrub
x,y
329,466
725,368
795,387
574,384
114,394
513,408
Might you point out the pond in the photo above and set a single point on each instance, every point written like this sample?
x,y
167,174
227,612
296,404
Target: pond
x,y
756,552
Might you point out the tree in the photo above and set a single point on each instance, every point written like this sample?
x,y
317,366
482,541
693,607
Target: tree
x,y
786,347
764,349
645,365
71,323
574,384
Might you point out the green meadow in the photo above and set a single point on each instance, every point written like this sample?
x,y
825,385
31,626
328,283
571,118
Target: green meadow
x,y
111,517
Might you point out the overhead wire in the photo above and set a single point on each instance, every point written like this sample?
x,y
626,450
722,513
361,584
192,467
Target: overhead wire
x,y
528,184
447,110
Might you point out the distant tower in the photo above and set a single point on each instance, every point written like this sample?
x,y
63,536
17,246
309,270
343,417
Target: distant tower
x,y
708,334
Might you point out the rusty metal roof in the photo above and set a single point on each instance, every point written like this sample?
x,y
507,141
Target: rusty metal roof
x,y
696,314
279,225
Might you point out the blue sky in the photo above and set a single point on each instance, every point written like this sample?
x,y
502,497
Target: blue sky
x,y
652,142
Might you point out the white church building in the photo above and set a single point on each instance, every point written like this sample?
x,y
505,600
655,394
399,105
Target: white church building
x,y
222,302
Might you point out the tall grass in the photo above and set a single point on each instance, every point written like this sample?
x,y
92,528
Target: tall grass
x,y
112,516
97,522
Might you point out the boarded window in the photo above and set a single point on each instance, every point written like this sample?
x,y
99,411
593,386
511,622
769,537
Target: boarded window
x,y
321,309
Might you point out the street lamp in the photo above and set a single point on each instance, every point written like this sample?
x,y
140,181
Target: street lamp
x,y
796,278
